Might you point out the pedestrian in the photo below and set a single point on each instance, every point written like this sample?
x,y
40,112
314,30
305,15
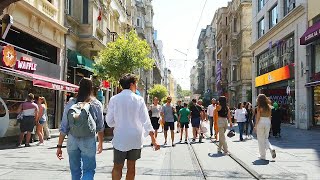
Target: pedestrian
x,y
42,118
29,112
46,130
262,126
240,117
210,113
276,117
81,127
167,114
196,114
155,109
178,107
249,121
128,114
184,120
223,117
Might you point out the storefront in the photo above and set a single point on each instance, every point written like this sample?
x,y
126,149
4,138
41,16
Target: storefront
x,y
311,38
279,85
20,74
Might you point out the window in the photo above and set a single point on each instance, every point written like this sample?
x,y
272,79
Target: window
x,y
261,28
68,6
260,4
273,16
213,71
227,21
85,12
235,25
139,22
289,5
234,73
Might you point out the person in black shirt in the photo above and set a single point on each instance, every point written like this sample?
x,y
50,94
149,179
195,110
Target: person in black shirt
x,y
196,114
178,107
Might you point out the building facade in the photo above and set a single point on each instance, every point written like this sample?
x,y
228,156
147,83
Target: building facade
x,y
278,60
200,62
33,60
239,56
311,41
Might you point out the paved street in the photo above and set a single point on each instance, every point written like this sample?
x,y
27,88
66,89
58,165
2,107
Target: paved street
x,y
297,158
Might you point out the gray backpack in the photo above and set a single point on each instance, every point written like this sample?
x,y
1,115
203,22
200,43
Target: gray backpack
x,y
80,120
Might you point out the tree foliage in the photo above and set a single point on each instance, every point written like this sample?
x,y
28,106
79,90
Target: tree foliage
x,y
185,93
125,55
179,91
158,91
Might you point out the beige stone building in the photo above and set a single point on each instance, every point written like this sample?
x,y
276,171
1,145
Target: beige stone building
x,y
239,56
36,47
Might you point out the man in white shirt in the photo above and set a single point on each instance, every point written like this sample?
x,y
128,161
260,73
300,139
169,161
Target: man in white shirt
x,y
128,114
210,114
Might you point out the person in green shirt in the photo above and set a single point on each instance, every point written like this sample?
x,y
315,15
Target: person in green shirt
x,y
184,120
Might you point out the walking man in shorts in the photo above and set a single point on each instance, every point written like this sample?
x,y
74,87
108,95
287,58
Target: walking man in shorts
x,y
128,114
196,114
184,120
167,114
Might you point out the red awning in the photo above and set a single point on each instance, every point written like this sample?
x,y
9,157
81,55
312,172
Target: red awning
x,y
311,34
43,81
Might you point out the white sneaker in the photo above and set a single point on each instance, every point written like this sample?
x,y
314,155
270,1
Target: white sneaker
x,y
40,144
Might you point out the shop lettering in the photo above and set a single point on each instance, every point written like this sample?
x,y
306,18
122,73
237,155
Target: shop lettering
x,y
57,87
25,65
280,99
312,35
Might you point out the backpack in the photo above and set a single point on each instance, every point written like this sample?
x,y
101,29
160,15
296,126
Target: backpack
x,y
80,120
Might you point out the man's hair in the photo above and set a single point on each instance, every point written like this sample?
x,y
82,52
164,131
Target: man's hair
x,y
194,100
127,79
185,105
30,97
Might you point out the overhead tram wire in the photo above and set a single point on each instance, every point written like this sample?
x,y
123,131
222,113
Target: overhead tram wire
x,y
197,25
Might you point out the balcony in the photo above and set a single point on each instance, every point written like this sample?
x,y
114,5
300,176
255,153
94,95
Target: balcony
x,y
46,8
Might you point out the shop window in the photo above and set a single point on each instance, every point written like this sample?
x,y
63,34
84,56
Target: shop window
x,y
316,105
317,59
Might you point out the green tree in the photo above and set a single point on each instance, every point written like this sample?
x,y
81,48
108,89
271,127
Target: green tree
x,y
185,93
125,55
179,92
158,91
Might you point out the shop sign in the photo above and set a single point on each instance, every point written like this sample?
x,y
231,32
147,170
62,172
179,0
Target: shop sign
x,y
273,76
9,56
26,63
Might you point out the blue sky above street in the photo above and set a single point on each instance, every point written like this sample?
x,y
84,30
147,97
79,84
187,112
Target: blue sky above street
x,y
176,22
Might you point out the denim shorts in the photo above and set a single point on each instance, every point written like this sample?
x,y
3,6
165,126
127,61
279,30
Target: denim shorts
x,y
41,122
195,122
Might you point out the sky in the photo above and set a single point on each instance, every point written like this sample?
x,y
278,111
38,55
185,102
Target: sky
x,y
176,22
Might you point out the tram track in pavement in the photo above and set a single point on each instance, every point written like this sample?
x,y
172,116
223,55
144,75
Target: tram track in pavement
x,y
253,173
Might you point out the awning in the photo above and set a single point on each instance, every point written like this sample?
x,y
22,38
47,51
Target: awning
x,y
311,34
75,59
42,81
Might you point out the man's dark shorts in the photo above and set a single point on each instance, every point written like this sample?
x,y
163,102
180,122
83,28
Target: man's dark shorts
x,y
167,125
27,124
119,156
155,123
184,125
195,122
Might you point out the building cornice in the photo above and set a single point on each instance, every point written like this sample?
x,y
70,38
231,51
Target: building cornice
x,y
295,14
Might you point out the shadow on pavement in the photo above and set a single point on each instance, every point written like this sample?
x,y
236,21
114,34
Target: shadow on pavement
x,y
260,162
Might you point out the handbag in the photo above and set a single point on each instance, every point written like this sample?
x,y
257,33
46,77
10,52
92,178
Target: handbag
x,y
231,133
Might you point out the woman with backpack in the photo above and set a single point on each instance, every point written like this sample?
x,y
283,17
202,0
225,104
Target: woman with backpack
x,y
82,118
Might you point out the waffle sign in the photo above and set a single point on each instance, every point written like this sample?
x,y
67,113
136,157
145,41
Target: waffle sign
x,y
26,63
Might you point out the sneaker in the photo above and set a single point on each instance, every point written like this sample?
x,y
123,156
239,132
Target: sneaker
x,y
40,144
273,153
186,141
180,141
165,143
19,145
173,144
27,145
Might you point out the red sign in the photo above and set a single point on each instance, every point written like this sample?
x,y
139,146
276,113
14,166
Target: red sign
x,y
105,84
50,85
